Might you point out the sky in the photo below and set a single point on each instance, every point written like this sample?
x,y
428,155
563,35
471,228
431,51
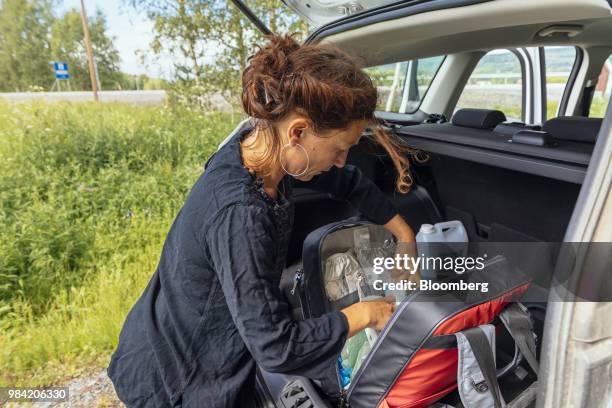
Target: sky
x,y
131,31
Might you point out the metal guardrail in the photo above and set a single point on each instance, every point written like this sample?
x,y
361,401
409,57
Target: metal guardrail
x,y
144,98
135,97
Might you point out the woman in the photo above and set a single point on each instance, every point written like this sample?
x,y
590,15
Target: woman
x,y
213,309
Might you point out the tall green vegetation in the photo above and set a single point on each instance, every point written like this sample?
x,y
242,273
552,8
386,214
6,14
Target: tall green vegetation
x,y
87,195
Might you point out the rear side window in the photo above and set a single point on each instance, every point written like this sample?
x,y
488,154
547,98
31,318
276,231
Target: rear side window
x,y
603,89
402,86
496,83
558,62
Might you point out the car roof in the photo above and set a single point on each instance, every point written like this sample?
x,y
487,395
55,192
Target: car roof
x,y
422,29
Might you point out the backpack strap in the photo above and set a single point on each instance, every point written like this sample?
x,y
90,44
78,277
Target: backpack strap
x,y
476,370
476,373
518,323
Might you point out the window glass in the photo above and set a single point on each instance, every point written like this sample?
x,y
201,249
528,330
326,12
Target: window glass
x,y
402,86
389,80
558,62
496,83
603,89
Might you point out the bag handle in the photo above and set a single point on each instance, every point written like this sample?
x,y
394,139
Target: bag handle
x,y
482,350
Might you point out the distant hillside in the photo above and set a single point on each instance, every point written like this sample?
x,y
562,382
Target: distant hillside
x,y
558,59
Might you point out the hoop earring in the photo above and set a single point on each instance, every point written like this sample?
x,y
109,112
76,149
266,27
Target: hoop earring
x,y
307,161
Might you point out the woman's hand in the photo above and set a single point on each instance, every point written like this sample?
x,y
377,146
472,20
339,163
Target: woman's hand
x,y
380,311
406,246
369,313
402,231
407,272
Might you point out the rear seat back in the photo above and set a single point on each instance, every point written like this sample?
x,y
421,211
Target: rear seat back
x,y
499,138
570,128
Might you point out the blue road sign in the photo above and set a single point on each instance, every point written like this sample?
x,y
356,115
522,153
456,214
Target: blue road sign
x,y
61,70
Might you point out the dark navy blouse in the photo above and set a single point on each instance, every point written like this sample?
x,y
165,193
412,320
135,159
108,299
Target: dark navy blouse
x,y
213,308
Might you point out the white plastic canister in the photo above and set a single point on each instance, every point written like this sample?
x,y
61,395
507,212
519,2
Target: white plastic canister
x,y
440,240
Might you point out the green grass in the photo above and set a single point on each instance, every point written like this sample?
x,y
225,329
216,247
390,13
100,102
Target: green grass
x,y
87,195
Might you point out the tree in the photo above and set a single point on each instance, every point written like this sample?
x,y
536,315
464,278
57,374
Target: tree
x,y
24,45
68,44
210,41
31,37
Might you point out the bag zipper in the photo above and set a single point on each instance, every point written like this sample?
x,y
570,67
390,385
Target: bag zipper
x,y
298,283
342,398
298,278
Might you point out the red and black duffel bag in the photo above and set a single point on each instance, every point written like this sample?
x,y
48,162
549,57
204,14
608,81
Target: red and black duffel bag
x,y
436,342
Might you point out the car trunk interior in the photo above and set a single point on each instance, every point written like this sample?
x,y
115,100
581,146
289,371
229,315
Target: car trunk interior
x,y
495,204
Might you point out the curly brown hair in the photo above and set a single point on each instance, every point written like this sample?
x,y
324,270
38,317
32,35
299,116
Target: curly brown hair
x,y
321,82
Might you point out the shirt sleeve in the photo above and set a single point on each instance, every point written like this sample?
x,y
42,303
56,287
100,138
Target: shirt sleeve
x,y
349,184
242,248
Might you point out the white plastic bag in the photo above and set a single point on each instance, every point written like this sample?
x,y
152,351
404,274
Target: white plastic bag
x,y
340,275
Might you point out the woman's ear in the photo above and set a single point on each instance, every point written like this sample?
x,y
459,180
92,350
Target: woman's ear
x,y
297,129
